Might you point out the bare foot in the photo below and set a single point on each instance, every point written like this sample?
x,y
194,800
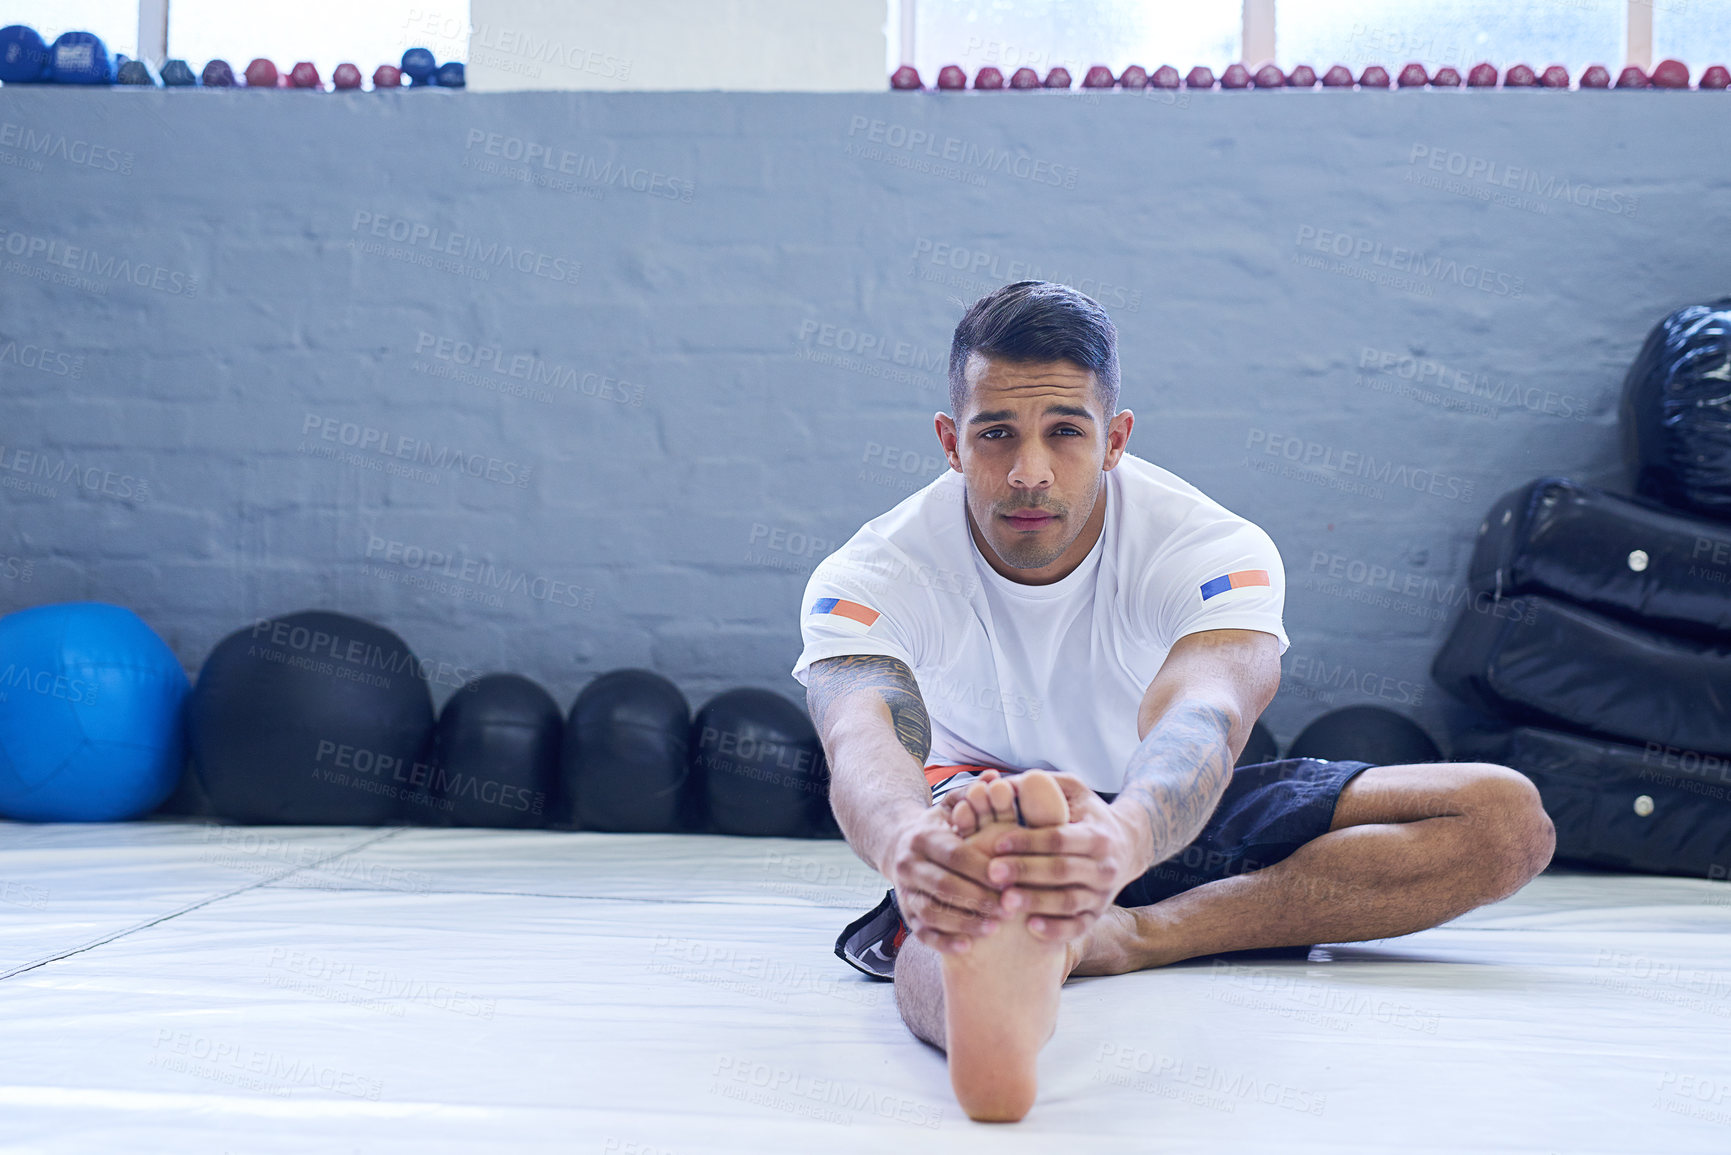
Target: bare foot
x,y
1001,995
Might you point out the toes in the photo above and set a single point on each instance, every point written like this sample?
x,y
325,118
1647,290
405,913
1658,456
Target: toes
x,y
1042,799
976,800
1003,797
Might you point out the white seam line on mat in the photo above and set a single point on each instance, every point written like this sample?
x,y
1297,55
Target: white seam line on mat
x,y
192,906
192,1102
752,900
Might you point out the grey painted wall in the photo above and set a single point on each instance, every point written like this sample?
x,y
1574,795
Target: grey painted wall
x,y
266,352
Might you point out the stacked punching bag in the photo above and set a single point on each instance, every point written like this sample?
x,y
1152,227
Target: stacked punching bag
x,y
1597,644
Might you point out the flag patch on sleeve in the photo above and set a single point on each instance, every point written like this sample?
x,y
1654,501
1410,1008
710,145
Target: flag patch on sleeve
x,y
842,608
1234,581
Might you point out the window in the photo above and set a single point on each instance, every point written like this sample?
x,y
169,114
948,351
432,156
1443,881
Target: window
x,y
1039,34
115,21
1573,33
366,33
1077,33
1697,32
1008,34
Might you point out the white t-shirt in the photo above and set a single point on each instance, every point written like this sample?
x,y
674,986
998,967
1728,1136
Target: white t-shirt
x,y
1043,676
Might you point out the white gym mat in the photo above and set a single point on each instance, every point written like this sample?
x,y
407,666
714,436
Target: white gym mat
x,y
186,988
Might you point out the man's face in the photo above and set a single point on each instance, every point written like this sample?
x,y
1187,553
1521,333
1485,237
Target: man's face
x,y
1032,441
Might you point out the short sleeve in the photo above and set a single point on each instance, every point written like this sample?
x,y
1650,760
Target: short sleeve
x,y
849,607
1223,575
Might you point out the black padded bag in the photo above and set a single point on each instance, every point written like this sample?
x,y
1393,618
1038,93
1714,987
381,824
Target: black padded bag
x,y
1653,808
1625,558
1551,663
1676,412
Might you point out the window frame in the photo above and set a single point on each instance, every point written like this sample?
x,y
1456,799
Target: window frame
x,y
1256,43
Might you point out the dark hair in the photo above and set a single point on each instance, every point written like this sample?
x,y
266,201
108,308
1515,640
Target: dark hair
x,y
1037,321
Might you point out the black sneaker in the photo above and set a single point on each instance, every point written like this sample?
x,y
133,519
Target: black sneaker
x,y
871,942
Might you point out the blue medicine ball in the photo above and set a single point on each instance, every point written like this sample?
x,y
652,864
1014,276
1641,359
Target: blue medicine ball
x,y
79,58
23,55
91,709
419,65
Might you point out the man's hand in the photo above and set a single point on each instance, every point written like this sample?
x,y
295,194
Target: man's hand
x,y
1065,876
941,883
1194,720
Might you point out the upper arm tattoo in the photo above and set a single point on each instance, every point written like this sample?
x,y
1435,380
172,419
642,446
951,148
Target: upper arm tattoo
x,y
832,679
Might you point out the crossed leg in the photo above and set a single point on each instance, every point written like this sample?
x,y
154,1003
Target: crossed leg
x,y
1409,847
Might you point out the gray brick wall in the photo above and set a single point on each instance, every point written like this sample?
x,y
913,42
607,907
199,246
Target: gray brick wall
x,y
556,383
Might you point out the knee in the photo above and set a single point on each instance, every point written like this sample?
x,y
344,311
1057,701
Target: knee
x,y
1513,838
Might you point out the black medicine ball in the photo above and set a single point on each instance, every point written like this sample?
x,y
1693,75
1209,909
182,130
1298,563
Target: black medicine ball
x,y
624,755
1365,734
496,755
1259,747
314,718
760,765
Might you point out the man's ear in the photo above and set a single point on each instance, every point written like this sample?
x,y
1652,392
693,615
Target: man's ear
x,y
946,428
1118,436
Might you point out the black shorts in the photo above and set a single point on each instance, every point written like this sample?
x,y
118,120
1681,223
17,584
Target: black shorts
x,y
1267,812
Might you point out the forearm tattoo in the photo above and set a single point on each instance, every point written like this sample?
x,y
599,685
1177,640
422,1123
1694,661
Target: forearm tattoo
x,y
833,679
1175,776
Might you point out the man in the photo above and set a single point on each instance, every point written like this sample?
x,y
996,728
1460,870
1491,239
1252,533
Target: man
x,y
1056,606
